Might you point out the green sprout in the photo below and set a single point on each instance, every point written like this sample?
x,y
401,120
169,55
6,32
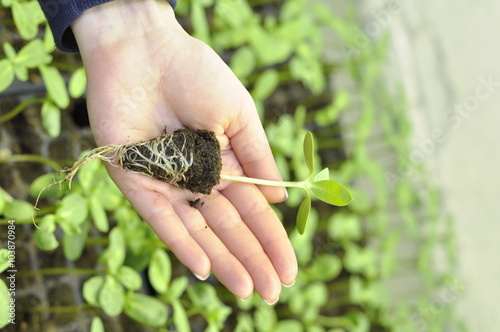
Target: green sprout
x,y
318,185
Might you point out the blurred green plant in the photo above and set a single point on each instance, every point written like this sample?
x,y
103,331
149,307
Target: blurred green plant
x,y
346,258
34,60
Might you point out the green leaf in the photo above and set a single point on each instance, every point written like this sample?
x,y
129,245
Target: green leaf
x,y
18,210
108,194
44,180
233,14
87,177
77,83
288,325
98,214
362,322
5,199
303,244
243,62
324,268
266,84
91,289
129,278
74,243
263,41
265,318
309,152
309,71
146,310
3,202
4,259
282,136
6,74
21,72
205,3
199,21
316,294
343,226
204,298
303,213
33,54
56,87
27,15
244,323
114,255
331,192
111,296
297,30
44,235
160,271
361,260
97,325
292,10
319,328
96,183
5,303
9,51
48,41
51,118
323,175
45,240
177,287
71,212
180,318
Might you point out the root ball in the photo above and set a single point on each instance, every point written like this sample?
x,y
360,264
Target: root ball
x,y
187,159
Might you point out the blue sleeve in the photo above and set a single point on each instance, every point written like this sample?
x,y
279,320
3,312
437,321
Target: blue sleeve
x,y
60,15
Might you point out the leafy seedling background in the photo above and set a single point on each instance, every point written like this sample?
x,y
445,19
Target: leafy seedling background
x,y
95,264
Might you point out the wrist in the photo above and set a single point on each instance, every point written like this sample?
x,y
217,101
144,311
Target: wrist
x,y
111,24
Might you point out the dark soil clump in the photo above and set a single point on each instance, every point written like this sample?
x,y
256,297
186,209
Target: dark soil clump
x,y
194,203
187,159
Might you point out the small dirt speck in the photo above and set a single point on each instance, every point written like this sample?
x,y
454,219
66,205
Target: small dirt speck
x,y
194,203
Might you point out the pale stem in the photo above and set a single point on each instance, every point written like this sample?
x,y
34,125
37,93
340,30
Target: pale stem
x,y
299,184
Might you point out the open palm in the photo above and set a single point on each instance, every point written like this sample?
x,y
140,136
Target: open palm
x,y
142,82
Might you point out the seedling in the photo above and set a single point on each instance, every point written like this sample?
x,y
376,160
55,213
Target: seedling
x,y
320,185
191,160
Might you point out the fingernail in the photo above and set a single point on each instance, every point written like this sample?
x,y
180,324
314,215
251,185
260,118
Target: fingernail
x,y
202,278
244,299
271,302
286,194
288,285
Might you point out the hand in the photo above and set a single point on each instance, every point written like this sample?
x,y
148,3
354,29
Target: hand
x,y
146,73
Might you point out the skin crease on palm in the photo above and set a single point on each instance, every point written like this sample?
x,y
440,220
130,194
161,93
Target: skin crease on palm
x,y
146,73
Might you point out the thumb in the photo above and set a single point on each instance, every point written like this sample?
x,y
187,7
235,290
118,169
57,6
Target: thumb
x,y
251,147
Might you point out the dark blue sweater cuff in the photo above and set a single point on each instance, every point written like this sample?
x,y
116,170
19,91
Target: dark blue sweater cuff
x,y
60,15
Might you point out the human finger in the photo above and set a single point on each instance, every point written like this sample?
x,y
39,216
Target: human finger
x,y
252,149
154,207
226,222
267,228
225,266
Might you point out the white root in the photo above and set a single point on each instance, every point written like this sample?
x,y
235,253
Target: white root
x,y
175,165
130,158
